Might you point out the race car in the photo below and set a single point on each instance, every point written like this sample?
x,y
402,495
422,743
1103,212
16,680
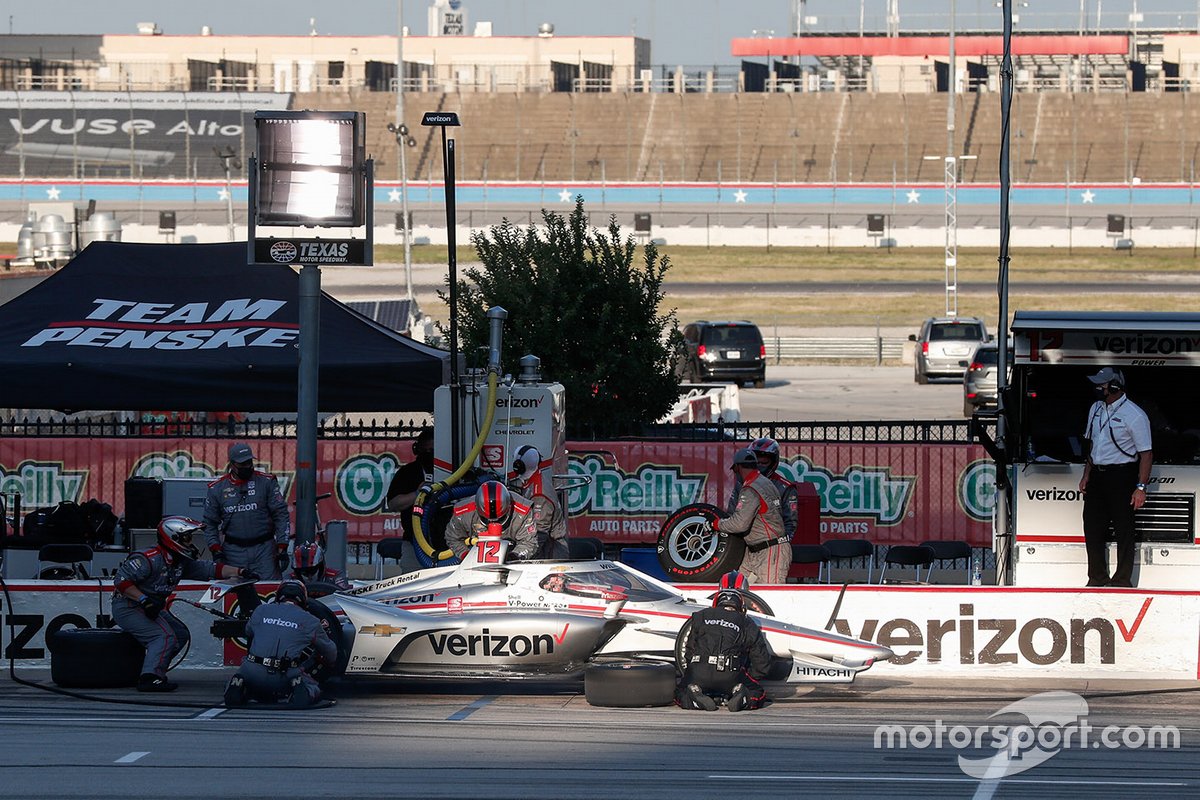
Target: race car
x,y
491,619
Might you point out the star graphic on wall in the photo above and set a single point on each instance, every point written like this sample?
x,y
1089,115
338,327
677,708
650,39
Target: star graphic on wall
x,y
564,196
394,194
53,193
1088,196
223,195
739,196
913,196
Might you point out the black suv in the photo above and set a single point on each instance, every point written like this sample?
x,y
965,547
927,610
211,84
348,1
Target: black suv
x,y
724,351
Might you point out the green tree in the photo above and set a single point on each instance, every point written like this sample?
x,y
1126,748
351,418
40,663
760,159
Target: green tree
x,y
587,305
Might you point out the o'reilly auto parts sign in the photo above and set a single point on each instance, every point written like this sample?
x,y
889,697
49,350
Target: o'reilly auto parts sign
x,y
310,251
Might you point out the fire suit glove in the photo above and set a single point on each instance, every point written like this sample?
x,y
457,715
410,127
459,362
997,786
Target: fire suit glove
x,y
715,524
281,558
151,606
217,551
248,574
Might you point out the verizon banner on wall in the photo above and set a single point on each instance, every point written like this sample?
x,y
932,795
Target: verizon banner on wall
x,y
1010,632
890,494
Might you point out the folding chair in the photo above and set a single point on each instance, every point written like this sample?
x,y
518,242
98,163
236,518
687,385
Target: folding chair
x,y
66,561
812,554
847,550
391,547
906,555
948,550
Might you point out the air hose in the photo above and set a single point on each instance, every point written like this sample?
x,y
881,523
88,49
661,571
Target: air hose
x,y
430,499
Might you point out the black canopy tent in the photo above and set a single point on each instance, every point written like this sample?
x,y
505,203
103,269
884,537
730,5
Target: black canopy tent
x,y
192,327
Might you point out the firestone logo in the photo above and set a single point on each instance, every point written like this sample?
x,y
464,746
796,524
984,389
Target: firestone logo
x,y
43,483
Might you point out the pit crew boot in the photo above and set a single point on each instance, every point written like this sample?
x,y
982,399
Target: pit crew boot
x,y
235,692
149,682
739,698
698,699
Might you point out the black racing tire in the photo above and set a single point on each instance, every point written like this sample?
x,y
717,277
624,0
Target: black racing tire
x,y
629,684
344,641
690,551
95,658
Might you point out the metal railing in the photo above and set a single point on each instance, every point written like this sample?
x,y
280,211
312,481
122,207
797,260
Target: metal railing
x,y
828,348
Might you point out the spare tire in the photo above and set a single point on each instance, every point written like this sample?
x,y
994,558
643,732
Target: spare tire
x,y
690,551
95,658
629,684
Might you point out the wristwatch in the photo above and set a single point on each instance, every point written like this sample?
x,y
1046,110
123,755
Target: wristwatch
x,y
1141,486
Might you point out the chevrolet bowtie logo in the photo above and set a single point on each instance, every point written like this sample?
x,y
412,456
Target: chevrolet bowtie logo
x,y
381,630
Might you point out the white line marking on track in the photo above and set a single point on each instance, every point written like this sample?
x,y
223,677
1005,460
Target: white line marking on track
x,y
897,779
212,712
991,778
129,758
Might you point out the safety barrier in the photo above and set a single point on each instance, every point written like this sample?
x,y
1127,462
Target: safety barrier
x,y
830,348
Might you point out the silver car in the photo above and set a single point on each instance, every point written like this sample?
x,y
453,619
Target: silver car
x,y
943,344
979,381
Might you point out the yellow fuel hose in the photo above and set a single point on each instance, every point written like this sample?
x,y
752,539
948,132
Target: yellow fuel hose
x,y
469,461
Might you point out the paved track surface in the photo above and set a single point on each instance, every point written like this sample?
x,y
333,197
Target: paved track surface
x,y
385,739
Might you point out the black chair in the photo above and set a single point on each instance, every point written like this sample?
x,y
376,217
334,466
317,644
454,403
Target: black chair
x,y
812,554
66,561
847,550
907,555
587,548
948,550
391,547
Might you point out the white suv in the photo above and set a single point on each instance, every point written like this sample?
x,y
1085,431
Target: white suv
x,y
945,346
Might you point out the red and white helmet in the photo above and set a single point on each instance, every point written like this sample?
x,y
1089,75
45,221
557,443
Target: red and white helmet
x,y
493,502
175,536
766,450
729,591
308,560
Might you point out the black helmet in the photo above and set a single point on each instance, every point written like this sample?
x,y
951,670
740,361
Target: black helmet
x,y
766,450
294,591
730,599
175,536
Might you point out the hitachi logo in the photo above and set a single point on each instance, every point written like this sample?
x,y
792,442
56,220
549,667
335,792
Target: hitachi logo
x,y
493,645
1056,494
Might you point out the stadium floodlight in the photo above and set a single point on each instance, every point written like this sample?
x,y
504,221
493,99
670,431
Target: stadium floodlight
x,y
310,168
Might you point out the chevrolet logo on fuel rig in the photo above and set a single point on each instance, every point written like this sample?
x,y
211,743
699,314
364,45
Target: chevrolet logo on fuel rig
x,y
136,325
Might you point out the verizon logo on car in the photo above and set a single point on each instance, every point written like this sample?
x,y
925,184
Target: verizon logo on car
x,y
136,325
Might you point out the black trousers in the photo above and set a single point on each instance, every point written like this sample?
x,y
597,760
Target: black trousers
x,y
1107,501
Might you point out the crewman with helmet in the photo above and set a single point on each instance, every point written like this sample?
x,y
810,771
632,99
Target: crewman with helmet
x,y
308,567
526,477
766,450
285,643
757,518
143,584
494,505
246,518
727,653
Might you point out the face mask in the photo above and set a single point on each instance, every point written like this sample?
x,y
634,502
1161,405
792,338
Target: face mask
x,y
244,472
425,459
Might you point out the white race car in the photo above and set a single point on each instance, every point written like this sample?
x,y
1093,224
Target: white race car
x,y
488,618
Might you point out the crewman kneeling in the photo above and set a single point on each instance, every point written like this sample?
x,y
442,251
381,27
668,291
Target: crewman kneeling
x,y
728,654
285,643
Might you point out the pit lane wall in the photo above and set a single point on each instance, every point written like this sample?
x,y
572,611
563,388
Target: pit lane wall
x,y
936,632
887,493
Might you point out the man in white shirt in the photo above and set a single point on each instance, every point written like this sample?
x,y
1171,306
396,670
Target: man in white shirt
x,y
1115,475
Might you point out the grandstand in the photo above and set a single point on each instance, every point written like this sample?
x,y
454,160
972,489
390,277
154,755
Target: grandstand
x,y
827,109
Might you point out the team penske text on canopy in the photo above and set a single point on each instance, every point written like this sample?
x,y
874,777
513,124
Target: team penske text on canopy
x,y
194,328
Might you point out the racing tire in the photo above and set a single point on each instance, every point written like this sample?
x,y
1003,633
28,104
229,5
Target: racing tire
x,y
690,551
323,672
95,658
629,684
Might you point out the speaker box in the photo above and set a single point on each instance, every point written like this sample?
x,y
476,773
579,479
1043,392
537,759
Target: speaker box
x,y
143,502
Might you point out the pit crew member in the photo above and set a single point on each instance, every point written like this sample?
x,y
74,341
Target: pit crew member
x,y
494,504
548,516
728,654
766,450
142,586
757,518
246,518
308,567
285,643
